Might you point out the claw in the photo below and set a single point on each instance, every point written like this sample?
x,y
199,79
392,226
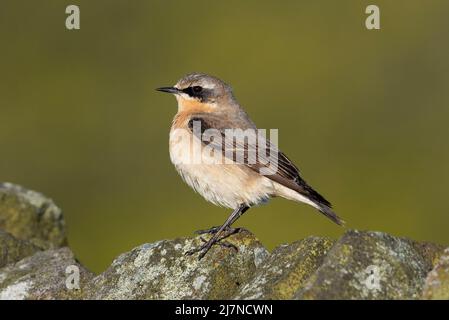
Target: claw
x,y
204,248
219,234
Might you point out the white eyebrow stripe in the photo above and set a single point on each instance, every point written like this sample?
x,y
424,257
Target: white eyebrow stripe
x,y
208,86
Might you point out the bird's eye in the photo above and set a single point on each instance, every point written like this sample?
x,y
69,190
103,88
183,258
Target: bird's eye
x,y
197,89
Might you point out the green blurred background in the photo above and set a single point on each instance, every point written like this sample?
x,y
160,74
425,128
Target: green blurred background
x,y
363,113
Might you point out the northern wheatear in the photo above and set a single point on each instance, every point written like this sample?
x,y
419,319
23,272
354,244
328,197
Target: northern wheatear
x,y
207,103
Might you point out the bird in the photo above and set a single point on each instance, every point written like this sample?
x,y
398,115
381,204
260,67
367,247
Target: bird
x,y
206,103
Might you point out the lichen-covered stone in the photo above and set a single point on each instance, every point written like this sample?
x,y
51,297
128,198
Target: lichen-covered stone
x,y
437,281
161,270
369,265
28,215
13,250
286,270
431,252
44,275
35,264
360,265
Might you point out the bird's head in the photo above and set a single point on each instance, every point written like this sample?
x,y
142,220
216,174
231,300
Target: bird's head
x,y
201,91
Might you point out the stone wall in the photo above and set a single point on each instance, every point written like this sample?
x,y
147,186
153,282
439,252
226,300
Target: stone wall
x,y
36,263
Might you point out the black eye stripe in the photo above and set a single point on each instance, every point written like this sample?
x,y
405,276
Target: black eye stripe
x,y
195,91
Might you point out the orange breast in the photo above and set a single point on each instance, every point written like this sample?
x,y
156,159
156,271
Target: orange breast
x,y
186,109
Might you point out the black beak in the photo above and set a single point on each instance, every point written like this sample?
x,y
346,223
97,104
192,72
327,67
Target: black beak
x,y
169,90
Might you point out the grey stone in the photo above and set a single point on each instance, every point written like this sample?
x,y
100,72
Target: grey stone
x,y
369,265
44,275
161,270
437,282
28,215
286,270
36,264
13,250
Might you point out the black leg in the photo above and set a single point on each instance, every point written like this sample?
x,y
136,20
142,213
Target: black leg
x,y
218,232
242,210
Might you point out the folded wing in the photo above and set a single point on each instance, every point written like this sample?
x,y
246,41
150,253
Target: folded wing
x,y
256,152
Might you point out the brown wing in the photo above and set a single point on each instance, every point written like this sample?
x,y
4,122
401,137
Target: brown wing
x,y
286,173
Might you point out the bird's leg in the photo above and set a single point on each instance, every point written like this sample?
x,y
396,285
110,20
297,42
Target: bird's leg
x,y
217,234
229,230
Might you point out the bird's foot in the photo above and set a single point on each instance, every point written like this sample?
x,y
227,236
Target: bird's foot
x,y
214,240
226,232
207,245
212,230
